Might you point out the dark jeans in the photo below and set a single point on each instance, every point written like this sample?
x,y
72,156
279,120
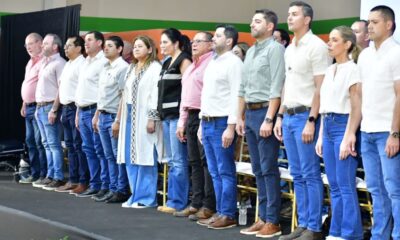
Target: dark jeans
x,y
202,187
264,162
78,168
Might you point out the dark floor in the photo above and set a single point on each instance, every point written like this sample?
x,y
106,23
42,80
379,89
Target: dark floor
x,y
52,215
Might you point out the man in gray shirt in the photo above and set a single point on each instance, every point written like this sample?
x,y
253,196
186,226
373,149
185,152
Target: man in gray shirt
x,y
259,99
111,84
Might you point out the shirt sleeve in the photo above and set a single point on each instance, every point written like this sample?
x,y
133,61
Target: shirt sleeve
x,y
277,66
234,76
155,69
320,59
354,76
396,65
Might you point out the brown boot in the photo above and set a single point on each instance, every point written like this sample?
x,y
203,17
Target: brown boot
x,y
79,189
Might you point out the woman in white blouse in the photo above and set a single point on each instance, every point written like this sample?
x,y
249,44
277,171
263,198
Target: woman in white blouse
x,y
140,131
341,115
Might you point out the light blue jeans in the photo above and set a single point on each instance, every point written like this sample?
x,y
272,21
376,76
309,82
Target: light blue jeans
x,y
383,182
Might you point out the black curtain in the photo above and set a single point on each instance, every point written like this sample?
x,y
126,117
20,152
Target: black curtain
x,y
13,58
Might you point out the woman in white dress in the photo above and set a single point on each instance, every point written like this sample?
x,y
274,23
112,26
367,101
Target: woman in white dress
x,y
140,131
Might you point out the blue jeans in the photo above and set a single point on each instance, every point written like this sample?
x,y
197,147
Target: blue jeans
x,y
110,146
178,172
264,162
78,168
50,134
304,165
91,145
36,152
346,219
142,179
383,182
221,165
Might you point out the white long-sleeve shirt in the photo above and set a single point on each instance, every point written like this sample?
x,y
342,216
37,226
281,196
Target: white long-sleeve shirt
x,y
221,82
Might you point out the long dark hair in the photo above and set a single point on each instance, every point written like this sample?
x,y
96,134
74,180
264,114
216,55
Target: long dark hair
x,y
175,35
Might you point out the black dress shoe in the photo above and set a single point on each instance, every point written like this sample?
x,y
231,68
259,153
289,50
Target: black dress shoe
x,y
118,198
88,193
100,194
105,197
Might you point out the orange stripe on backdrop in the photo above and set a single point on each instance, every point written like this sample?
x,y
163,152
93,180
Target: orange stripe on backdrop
x,y
155,34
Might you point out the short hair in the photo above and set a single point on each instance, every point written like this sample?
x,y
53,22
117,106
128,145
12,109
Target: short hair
x,y
230,32
209,36
175,35
98,36
365,24
307,9
117,41
78,42
36,36
269,16
149,44
284,36
387,14
56,40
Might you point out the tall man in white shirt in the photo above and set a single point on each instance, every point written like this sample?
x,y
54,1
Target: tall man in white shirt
x,y
78,169
380,75
86,100
218,119
111,85
47,113
306,60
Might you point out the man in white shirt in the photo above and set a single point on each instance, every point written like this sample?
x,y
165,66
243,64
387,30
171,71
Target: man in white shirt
x,y
78,169
86,100
306,60
111,85
218,119
380,75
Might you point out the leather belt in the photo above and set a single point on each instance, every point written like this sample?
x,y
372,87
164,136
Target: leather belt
x,y
296,110
209,119
93,106
254,106
105,112
42,104
32,104
193,111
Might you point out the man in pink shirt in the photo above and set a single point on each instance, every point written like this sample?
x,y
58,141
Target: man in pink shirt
x,y
203,199
37,156
47,113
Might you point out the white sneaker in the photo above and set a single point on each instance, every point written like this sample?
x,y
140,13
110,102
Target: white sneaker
x,y
126,205
139,206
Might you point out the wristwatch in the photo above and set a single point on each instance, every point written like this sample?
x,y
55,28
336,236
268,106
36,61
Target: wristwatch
x,y
279,115
268,120
395,134
311,119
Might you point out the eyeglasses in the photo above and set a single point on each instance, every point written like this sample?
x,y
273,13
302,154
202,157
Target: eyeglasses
x,y
68,46
198,41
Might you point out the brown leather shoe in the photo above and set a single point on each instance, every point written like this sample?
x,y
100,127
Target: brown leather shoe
x,y
223,222
67,187
269,230
253,229
79,189
166,209
206,222
186,212
203,213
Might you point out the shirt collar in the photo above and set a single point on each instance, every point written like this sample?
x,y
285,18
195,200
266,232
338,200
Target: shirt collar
x,y
385,44
52,57
304,39
100,54
202,58
115,62
264,42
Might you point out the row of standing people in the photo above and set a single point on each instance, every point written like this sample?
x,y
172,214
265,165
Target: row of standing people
x,y
205,98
